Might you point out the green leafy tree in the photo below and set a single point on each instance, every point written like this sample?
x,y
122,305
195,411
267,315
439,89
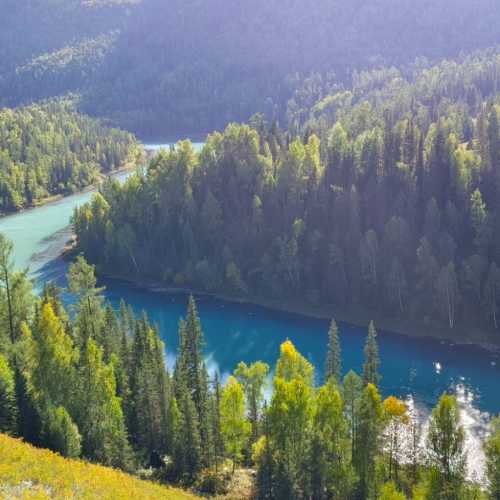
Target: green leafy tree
x,y
492,449
332,475
390,492
253,380
445,443
235,427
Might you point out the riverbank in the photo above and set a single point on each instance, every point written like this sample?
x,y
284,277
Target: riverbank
x,y
356,316
54,198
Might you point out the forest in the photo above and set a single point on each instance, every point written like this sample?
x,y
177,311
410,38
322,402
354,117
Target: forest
x,y
93,383
161,69
383,198
50,149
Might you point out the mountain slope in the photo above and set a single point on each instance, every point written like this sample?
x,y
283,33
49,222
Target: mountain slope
x,y
184,67
28,471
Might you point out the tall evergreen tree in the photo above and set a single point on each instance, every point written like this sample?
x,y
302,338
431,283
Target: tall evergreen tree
x,y
98,411
333,364
367,443
372,361
8,406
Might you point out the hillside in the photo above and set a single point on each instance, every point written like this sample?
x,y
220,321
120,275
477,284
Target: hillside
x,y
184,67
26,471
51,150
380,201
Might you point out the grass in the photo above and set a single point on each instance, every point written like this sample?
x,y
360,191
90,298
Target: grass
x,y
28,472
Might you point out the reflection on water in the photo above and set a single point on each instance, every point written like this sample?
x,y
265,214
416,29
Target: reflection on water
x,y
418,370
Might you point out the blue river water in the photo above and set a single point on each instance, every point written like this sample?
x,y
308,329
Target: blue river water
x,y
416,369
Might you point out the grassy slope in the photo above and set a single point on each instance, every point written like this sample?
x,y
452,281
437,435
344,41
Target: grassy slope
x,y
28,472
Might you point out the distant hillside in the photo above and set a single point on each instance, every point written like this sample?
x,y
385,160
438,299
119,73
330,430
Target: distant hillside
x,y
26,471
185,66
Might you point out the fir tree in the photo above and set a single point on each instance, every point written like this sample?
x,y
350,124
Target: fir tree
x,y
367,443
8,406
372,361
333,365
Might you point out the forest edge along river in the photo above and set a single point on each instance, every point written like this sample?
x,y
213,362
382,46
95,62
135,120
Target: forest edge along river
x,y
414,368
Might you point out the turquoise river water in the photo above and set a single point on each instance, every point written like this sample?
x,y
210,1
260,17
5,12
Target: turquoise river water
x,y
416,369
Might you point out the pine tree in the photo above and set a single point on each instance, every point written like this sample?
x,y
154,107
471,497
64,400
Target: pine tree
x,y
353,387
187,456
333,365
98,412
330,465
263,457
61,434
367,445
8,406
149,390
372,361
218,441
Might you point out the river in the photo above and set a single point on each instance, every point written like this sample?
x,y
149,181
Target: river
x,y
416,369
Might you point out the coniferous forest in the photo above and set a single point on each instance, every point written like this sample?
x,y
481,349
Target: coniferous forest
x,y
92,383
165,68
50,149
382,197
351,169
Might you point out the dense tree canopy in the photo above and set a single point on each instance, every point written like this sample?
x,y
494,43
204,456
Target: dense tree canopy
x,y
185,66
95,385
51,149
382,199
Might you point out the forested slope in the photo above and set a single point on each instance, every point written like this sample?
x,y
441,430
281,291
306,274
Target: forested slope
x,y
50,149
382,198
185,67
95,385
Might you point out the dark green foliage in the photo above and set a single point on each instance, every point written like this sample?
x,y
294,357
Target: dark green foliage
x,y
188,446
117,54
333,364
8,406
379,200
50,149
61,434
149,390
372,361
95,385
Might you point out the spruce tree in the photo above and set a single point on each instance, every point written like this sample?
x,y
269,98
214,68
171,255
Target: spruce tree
x,y
333,365
98,412
187,456
215,417
8,406
372,362
367,443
